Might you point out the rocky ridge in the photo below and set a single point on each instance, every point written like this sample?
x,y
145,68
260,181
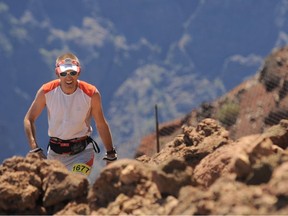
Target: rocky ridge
x,y
250,108
201,171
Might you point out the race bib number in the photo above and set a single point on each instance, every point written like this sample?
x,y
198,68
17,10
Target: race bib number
x,y
81,168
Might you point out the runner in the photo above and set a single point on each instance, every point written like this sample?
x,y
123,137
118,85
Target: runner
x,y
70,104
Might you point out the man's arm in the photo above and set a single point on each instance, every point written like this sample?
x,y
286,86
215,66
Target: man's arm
x,y
101,123
33,113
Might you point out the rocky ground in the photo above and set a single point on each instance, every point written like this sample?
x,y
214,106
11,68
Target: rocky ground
x,y
201,171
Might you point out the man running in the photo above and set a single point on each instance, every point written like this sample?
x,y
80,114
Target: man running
x,y
70,104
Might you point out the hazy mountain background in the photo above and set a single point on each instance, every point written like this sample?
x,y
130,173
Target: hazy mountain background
x,y
174,53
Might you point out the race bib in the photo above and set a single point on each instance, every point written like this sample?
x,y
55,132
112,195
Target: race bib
x,y
81,168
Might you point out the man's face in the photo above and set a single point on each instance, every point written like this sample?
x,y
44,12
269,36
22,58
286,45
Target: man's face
x,y
68,80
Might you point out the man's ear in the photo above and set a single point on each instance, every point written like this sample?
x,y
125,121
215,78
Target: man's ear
x,y
56,71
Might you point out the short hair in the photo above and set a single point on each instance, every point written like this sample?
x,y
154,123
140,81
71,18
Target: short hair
x,y
67,55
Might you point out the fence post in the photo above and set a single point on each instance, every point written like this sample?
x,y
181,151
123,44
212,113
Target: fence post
x,y
157,128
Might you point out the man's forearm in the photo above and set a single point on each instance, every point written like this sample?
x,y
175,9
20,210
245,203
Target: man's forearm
x,y
30,131
106,137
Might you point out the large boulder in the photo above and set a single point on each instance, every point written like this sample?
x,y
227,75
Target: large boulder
x,y
32,185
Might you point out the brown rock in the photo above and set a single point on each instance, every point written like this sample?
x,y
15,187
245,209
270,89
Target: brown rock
x,y
61,185
171,176
19,191
279,178
126,182
74,208
232,197
32,185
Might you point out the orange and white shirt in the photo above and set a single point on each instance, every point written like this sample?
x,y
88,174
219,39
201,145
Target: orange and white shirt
x,y
69,116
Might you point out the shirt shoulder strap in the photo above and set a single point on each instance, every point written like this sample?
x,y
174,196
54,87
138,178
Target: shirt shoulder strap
x,y
47,87
87,88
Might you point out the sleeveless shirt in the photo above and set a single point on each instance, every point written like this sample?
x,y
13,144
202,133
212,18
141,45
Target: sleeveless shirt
x,y
69,116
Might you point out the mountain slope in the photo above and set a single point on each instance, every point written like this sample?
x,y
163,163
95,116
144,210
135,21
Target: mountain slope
x,y
250,108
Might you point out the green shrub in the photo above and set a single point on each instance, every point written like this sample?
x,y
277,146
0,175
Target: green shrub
x,y
228,113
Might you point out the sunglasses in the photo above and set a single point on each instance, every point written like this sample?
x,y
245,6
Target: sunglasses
x,y
72,73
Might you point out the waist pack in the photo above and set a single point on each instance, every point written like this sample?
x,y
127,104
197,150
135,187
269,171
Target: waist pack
x,y
72,146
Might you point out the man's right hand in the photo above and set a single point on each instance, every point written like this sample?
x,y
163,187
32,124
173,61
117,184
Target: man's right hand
x,y
39,152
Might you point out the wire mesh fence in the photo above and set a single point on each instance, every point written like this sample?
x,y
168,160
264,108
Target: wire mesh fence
x,y
250,108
